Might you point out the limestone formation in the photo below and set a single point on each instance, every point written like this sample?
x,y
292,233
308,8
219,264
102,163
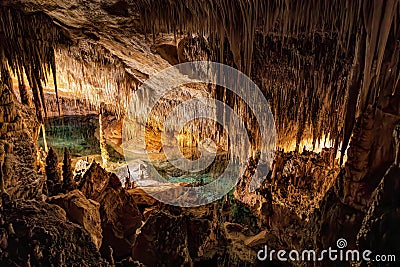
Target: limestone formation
x,y
328,69
158,245
43,231
396,137
120,216
376,233
2,178
82,211
7,166
53,173
8,110
67,172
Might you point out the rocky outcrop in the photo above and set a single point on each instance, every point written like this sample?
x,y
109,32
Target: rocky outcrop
x,y
141,198
53,173
174,236
94,181
67,172
18,128
82,211
377,232
39,234
291,192
163,239
370,154
335,220
260,205
120,216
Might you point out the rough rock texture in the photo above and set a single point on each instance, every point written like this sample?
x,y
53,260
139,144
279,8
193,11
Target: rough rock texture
x,y
201,236
120,217
38,234
259,204
163,240
18,127
336,220
377,232
94,181
141,198
370,154
82,211
315,97
290,196
53,173
67,172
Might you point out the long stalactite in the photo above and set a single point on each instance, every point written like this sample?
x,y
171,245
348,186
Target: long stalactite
x,y
27,49
324,58
335,101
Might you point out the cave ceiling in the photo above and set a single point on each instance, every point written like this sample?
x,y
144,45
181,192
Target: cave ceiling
x,y
319,63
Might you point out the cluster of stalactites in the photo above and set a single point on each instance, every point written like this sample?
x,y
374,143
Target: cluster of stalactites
x,y
306,97
91,72
367,30
239,20
27,49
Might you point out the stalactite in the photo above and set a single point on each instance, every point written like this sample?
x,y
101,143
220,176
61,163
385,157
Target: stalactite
x,y
28,42
307,46
23,90
43,129
334,99
52,59
91,72
354,87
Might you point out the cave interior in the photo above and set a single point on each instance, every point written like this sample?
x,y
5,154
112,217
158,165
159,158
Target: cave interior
x,y
87,123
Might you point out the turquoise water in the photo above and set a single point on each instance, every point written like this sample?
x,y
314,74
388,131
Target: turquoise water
x,y
191,179
77,133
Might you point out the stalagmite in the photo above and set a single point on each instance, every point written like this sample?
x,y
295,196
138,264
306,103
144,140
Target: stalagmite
x,y
7,166
53,174
128,183
102,140
67,172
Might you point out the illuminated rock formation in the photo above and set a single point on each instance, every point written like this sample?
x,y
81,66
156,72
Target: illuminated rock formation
x,y
330,73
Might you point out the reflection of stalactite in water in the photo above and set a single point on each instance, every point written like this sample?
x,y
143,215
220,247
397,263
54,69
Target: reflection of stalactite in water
x,y
43,129
103,144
